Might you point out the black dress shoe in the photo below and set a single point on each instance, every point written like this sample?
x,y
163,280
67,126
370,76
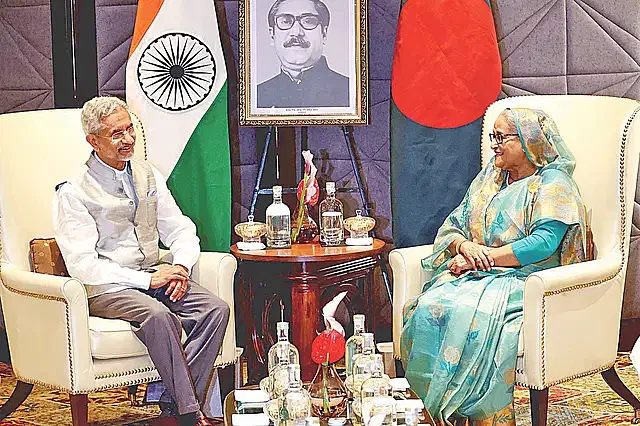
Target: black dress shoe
x,y
189,419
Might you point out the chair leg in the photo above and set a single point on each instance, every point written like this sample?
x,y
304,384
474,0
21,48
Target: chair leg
x,y
226,376
20,393
79,409
613,380
539,406
132,396
237,370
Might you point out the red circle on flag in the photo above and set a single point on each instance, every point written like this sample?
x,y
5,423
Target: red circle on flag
x,y
446,66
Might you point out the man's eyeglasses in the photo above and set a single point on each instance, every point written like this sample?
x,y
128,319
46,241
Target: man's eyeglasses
x,y
308,21
499,138
119,136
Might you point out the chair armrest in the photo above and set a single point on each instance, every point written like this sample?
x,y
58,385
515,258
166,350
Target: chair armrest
x,y
408,278
47,313
571,320
216,271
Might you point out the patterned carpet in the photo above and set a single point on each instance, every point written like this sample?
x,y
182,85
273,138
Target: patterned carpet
x,y
587,401
584,402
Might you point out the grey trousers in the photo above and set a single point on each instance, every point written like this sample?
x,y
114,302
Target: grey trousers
x,y
158,322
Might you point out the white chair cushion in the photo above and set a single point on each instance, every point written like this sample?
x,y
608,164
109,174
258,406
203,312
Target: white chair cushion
x,y
113,338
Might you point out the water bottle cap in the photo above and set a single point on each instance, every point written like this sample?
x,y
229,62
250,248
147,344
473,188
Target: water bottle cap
x,y
358,321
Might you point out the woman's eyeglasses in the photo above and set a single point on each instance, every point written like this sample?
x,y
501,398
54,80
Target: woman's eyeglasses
x,y
499,138
308,21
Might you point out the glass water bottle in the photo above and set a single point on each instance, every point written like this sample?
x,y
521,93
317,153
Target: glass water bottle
x,y
282,348
280,355
376,396
411,416
354,343
296,403
331,233
361,369
278,221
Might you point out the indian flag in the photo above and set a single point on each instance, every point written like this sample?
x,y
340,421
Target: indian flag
x,y
177,85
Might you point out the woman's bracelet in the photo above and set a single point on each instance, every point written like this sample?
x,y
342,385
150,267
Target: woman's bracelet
x,y
458,244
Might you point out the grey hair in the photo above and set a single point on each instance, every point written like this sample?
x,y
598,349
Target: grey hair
x,y
97,109
508,116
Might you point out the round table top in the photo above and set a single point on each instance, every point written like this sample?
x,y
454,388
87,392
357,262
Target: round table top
x,y
312,252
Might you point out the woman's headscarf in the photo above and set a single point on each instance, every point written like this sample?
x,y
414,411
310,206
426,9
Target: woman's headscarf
x,y
541,140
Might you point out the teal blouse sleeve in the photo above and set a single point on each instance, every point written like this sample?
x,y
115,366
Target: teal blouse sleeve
x,y
542,243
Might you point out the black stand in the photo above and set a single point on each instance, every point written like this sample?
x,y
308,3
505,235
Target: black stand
x,y
349,140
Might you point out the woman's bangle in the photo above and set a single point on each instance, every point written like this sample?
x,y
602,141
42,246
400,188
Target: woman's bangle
x,y
459,243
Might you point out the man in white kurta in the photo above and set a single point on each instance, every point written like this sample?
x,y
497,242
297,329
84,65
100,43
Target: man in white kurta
x,y
108,222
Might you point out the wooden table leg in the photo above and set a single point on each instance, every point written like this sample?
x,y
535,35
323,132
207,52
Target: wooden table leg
x,y
369,298
305,311
256,361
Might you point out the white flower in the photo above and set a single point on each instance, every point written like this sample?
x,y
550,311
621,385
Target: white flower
x,y
436,310
452,355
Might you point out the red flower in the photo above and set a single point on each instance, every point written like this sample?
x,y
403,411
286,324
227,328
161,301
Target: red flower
x,y
329,343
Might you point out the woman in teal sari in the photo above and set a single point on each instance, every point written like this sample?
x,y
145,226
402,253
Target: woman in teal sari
x,y
521,214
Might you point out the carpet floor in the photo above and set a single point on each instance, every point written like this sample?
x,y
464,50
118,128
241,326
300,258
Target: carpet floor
x,y
587,401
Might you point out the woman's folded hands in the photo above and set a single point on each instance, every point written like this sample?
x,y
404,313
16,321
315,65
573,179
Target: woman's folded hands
x,y
471,255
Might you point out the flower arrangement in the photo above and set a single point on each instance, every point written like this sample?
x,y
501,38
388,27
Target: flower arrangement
x,y
328,392
304,229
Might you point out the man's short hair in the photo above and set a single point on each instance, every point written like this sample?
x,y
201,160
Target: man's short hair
x,y
97,109
321,8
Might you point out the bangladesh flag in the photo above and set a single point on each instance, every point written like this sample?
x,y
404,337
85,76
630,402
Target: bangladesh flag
x,y
446,72
177,85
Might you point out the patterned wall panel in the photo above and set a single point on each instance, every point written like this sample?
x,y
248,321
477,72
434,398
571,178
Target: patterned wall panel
x,y
26,63
114,27
569,46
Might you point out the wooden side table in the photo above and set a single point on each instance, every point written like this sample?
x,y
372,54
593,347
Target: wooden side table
x,y
311,268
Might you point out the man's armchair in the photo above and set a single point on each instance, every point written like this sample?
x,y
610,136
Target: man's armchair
x,y
52,339
571,313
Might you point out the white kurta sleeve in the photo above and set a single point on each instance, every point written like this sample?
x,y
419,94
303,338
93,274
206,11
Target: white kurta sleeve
x,y
77,235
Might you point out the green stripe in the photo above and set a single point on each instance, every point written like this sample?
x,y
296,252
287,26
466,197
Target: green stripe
x,y
201,179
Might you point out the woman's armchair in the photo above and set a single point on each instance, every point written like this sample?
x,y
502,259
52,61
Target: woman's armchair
x,y
52,339
571,313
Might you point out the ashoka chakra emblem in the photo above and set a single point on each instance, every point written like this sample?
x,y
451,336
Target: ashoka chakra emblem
x,y
176,71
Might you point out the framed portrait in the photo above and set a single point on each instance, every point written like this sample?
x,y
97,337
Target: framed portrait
x,y
303,62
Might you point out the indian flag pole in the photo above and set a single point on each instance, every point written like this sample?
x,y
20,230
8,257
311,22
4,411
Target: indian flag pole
x,y
177,85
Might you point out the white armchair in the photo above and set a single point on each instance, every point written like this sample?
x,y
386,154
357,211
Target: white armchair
x,y
52,339
571,313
